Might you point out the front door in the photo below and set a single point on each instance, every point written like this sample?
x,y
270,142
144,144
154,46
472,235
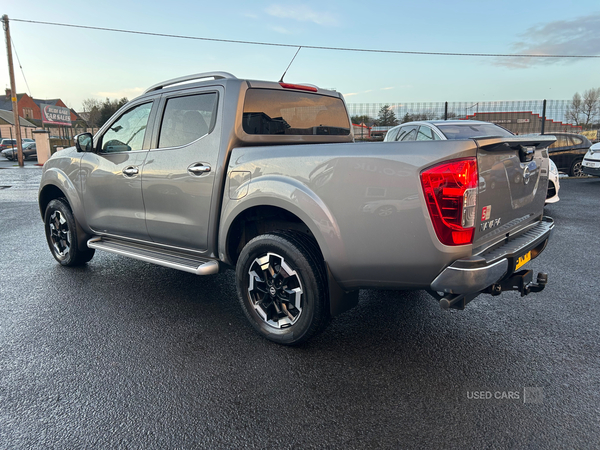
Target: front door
x,y
111,177
179,172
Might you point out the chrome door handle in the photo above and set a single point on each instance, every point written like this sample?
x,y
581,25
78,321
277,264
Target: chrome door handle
x,y
198,169
130,171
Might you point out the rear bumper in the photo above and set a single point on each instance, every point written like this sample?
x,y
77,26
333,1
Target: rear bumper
x,y
473,275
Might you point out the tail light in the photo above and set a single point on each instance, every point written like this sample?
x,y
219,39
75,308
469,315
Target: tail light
x,y
451,194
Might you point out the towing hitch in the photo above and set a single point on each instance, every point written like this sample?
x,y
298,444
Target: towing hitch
x,y
520,281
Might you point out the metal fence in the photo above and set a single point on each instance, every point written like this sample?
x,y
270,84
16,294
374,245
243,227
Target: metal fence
x,y
530,116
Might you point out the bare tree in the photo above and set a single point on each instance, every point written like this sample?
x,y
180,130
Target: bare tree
x,y
583,110
91,107
591,106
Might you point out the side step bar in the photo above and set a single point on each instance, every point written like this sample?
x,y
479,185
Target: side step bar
x,y
168,258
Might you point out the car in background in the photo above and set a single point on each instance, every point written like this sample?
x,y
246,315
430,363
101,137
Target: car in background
x,y
10,143
442,130
29,152
591,161
553,184
568,152
7,143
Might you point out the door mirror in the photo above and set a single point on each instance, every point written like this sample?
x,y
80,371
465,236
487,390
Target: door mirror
x,y
84,142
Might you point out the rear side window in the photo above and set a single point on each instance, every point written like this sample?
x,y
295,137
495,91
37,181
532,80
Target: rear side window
x,y
561,141
186,119
272,111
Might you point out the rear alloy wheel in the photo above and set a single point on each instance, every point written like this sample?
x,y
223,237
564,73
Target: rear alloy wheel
x,y
61,234
281,287
576,169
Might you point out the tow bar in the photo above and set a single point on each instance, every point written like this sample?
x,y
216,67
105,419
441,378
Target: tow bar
x,y
519,281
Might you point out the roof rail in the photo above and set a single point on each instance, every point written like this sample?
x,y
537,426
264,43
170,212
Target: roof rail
x,y
196,76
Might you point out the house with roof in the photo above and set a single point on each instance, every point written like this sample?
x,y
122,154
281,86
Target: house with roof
x,y
31,109
7,126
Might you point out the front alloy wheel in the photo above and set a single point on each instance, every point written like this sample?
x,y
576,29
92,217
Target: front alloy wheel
x,y
577,169
60,235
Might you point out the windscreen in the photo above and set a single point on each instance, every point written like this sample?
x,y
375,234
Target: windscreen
x,y
472,130
273,111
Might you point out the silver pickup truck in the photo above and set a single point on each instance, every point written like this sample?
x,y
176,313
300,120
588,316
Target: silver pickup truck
x,y
208,172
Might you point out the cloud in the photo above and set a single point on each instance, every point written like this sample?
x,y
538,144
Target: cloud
x,y
281,30
357,93
302,13
386,88
579,36
128,92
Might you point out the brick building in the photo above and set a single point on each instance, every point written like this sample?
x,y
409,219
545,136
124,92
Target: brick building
x,y
29,109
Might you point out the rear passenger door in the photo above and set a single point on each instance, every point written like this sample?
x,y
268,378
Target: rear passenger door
x,y
179,172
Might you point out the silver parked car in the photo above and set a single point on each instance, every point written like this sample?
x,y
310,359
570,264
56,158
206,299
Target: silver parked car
x,y
264,178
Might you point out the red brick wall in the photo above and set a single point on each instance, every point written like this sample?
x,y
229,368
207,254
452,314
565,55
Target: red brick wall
x,y
60,103
27,102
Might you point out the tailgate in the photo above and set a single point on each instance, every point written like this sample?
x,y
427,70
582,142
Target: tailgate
x,y
513,180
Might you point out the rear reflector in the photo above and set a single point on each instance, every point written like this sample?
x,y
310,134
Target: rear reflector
x,y
451,194
299,87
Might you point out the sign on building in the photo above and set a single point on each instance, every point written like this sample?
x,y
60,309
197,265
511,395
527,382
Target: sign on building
x,y
55,115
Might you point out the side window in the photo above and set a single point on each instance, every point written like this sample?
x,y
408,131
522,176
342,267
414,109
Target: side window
x,y
127,133
391,135
576,140
401,132
186,119
411,135
561,141
425,134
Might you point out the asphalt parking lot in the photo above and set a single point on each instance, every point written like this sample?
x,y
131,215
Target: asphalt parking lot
x,y
124,354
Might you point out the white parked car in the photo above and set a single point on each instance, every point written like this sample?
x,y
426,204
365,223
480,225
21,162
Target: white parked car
x,y
591,161
553,184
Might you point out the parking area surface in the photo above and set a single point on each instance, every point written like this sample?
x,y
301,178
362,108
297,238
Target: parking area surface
x,y
121,353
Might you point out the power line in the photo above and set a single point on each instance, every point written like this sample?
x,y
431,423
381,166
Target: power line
x,y
316,47
21,67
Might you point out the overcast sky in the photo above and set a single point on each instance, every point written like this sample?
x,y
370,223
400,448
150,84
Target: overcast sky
x,y
75,64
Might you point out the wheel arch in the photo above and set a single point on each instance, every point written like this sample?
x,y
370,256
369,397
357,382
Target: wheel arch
x,y
56,184
276,212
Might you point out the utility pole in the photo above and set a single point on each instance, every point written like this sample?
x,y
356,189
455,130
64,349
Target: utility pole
x,y
13,90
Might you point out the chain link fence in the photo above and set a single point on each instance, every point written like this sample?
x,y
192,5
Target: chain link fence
x,y
522,117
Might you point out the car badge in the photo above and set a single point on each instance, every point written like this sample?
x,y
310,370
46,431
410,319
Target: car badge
x,y
526,175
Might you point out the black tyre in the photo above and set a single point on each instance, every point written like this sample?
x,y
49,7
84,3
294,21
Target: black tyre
x,y
576,169
282,287
61,234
